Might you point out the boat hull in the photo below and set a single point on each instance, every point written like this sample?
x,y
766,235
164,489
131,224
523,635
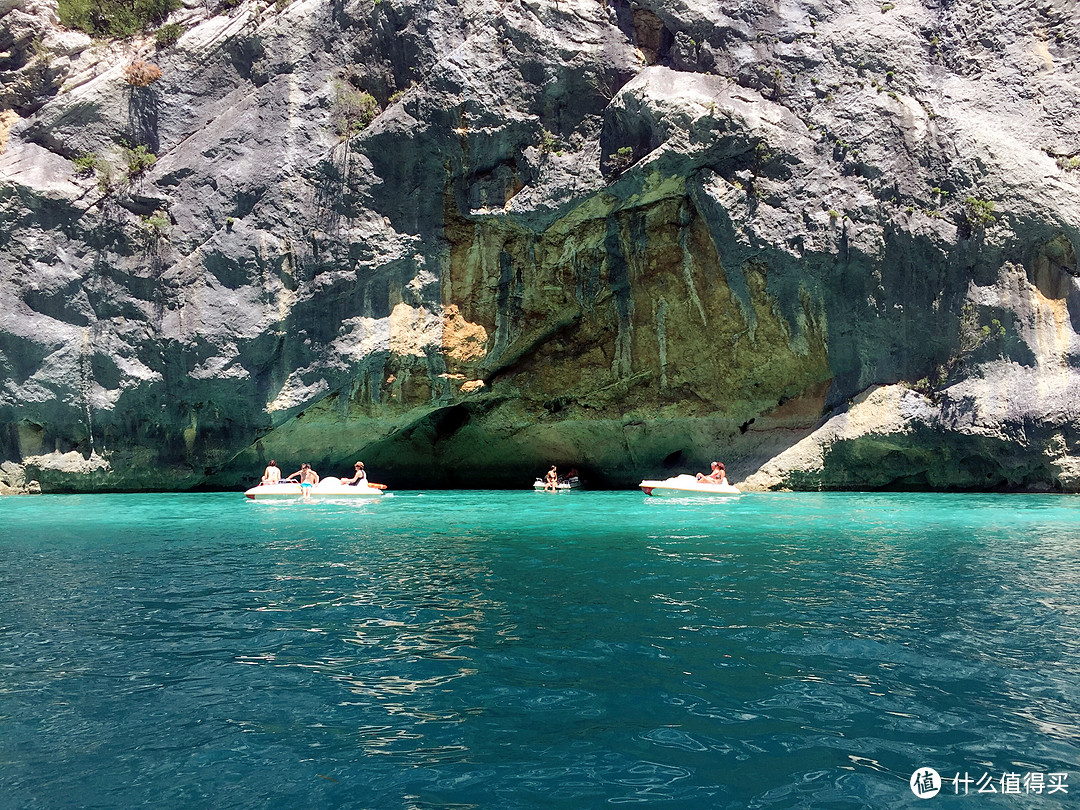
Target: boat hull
x,y
326,489
569,483
682,486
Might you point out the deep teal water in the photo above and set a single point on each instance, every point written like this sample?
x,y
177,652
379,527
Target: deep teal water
x,y
506,650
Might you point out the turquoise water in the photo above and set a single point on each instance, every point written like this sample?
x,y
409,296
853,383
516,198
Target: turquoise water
x,y
506,650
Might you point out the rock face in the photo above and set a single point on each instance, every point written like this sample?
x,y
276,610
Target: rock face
x,y
831,243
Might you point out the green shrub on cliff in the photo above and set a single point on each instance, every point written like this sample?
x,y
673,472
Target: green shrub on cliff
x,y
157,225
621,160
353,110
979,213
85,163
139,160
114,18
168,34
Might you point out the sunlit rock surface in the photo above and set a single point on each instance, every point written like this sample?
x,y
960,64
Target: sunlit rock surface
x,y
626,237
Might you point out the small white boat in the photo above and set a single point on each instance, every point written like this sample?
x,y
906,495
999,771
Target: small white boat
x,y
327,488
564,483
686,485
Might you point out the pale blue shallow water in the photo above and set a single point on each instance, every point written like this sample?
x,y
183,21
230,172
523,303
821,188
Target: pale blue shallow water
x,y
506,650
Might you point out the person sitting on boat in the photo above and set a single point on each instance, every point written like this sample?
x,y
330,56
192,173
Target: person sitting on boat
x,y
718,475
308,479
551,480
359,476
271,475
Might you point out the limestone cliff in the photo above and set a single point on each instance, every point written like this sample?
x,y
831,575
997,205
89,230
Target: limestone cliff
x,y
832,243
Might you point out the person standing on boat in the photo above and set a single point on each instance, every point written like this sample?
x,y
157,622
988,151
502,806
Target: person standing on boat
x,y
308,479
551,480
271,475
359,476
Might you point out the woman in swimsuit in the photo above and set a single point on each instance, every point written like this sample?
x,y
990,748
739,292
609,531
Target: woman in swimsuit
x,y
718,475
359,477
271,475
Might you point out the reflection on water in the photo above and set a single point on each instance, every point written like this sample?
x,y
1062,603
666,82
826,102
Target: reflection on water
x,y
511,650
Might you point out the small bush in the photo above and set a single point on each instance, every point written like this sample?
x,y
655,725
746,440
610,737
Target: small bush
x,y
1068,164
281,5
979,213
354,110
887,7
141,74
85,163
139,160
547,141
622,160
168,34
157,224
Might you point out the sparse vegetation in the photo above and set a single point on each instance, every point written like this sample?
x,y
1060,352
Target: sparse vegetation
x,y
973,333
353,111
157,225
978,213
114,18
168,34
138,160
547,141
141,74
622,160
86,163
105,183
1069,164
885,7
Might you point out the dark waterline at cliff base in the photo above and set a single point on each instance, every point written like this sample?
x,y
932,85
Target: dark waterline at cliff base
x,y
506,650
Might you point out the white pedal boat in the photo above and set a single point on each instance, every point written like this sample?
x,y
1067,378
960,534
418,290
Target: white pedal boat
x,y
685,485
327,488
564,483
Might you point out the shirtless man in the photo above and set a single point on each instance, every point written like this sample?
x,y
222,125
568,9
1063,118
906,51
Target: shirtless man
x,y
308,479
551,480
271,475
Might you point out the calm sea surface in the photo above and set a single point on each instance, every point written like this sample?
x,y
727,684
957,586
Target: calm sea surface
x,y
555,650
